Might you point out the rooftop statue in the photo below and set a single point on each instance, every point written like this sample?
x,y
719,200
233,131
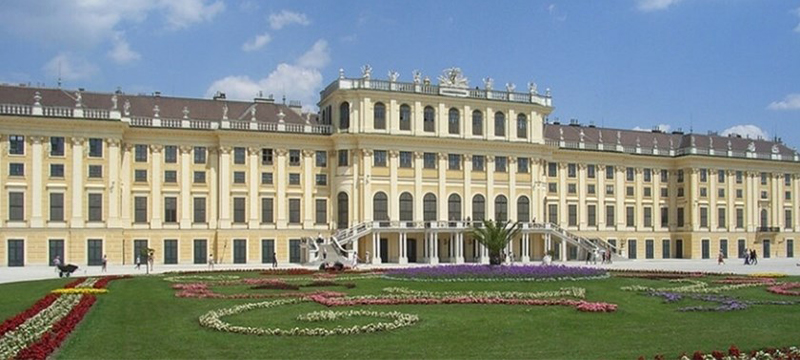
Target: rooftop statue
x,y
393,75
452,77
417,76
488,83
366,71
751,147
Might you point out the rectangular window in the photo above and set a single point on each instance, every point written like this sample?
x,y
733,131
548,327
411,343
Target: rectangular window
x,y
610,218
572,170
572,189
170,154
591,212
95,207
406,159
787,195
703,217
238,177
95,148
721,176
57,170
266,178
787,218
294,179
573,215
787,179
140,175
294,211
453,161
703,192
721,193
199,177
199,154
739,193
552,187
590,171
680,192
56,207
170,251
630,216
56,146
500,164
648,192
294,157
703,175
478,163
266,156
140,209
16,145
379,159
95,171
630,174
405,117
321,211
170,209
200,249
609,172
239,210
648,216
739,176
16,206
681,217
664,217
429,160
342,157
321,158
629,191
239,155
739,218
266,211
648,175
609,189
722,218
170,176
664,192
199,210
552,213
522,165
680,176
140,153
764,178
322,179
16,169
664,176
665,249
590,189
649,246
552,169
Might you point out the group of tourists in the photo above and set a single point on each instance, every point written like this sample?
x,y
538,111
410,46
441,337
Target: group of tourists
x,y
750,257
604,256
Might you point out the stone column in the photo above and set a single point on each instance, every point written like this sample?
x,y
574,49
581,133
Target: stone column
x,y
376,246
418,186
582,211
367,196
155,185
186,187
401,247
490,168
114,186
693,208
467,200
712,201
225,187
308,186
619,192
213,190
442,203
77,220
459,244
394,209
125,186
600,174
512,188
280,184
37,185
253,184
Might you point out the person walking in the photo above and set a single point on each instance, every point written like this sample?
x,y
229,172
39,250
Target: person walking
x,y
57,262
753,257
211,261
105,263
720,258
274,260
746,256
138,262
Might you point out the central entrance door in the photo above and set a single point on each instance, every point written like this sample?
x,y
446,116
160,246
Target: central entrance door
x,y
679,249
384,250
766,249
411,250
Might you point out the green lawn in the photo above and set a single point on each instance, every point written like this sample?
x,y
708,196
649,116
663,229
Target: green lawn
x,y
141,318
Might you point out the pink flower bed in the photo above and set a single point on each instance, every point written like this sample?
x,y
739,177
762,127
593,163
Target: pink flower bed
x,y
783,289
746,280
578,304
202,291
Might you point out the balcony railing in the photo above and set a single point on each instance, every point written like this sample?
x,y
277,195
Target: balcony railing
x,y
768,229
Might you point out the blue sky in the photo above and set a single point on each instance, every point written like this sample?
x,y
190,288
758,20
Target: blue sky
x,y
708,65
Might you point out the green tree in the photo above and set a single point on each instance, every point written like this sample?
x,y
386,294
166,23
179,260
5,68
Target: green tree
x,y
495,235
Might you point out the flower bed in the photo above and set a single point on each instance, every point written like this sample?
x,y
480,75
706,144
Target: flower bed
x,y
657,275
213,320
79,291
415,300
733,353
783,289
725,303
694,286
569,292
202,291
768,275
450,273
186,278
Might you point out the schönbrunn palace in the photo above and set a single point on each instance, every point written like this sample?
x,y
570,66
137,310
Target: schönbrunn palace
x,y
397,171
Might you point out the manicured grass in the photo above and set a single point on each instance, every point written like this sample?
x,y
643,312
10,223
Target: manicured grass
x,y
142,318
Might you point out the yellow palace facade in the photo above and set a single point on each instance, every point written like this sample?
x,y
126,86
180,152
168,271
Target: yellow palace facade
x,y
396,172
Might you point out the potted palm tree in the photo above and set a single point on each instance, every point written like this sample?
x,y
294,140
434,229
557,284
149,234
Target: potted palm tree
x,y
495,235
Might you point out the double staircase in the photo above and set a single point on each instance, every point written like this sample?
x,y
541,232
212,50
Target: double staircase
x,y
334,248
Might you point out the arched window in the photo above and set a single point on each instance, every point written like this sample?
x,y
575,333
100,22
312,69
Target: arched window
x,y
454,207
478,207
379,116
429,119
452,121
523,209
429,207
380,207
522,126
499,124
405,117
342,208
764,218
477,122
344,115
501,208
406,207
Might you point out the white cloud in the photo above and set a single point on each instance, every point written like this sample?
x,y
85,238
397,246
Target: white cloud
x,y
555,13
183,13
121,52
662,127
790,102
286,17
299,81
655,5
256,43
69,67
746,131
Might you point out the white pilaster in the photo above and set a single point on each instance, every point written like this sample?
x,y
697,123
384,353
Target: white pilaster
x,y
37,220
155,185
308,186
114,187
186,186
77,219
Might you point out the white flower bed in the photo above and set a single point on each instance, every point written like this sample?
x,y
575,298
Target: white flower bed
x,y
695,286
213,320
32,329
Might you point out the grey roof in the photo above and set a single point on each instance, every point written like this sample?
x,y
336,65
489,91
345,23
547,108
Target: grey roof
x,y
142,105
660,140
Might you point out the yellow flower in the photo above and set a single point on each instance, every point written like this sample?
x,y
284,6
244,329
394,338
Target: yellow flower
x,y
92,291
768,275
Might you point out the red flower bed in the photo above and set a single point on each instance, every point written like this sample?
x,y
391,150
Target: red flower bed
x,y
323,283
734,352
276,286
100,284
13,322
783,289
578,304
52,339
74,283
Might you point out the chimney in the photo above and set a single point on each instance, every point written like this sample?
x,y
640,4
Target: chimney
x,y
219,95
296,106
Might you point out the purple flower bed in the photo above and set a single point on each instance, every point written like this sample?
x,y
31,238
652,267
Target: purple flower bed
x,y
496,273
726,303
